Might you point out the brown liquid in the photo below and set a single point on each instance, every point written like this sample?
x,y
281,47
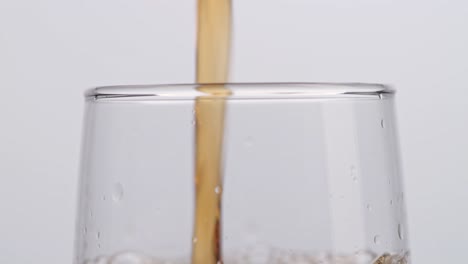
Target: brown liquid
x,y
213,50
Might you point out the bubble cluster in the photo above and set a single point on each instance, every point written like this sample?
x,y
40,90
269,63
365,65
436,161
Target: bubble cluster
x,y
264,255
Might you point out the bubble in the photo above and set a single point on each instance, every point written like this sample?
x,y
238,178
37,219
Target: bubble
x,y
377,239
117,192
130,258
400,232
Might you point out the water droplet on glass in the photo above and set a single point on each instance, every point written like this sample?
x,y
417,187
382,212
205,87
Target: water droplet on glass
x,y
369,207
218,189
118,192
85,230
391,202
193,122
400,232
98,235
382,123
104,198
377,239
194,240
99,245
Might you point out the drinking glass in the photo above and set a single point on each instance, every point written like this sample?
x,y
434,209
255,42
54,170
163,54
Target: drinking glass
x,y
311,174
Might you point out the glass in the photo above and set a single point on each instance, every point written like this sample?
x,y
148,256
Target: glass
x,y
311,175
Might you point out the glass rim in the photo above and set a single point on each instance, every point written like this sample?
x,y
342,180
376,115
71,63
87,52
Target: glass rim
x,y
253,90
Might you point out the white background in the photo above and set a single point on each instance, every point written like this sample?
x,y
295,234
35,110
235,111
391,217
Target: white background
x,y
51,50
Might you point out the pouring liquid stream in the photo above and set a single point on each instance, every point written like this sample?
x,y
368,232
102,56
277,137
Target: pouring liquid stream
x,y
213,51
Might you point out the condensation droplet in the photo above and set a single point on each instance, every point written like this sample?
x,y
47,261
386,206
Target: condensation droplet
x,y
104,198
369,207
98,235
377,239
400,232
85,230
194,240
193,122
382,123
118,192
391,202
